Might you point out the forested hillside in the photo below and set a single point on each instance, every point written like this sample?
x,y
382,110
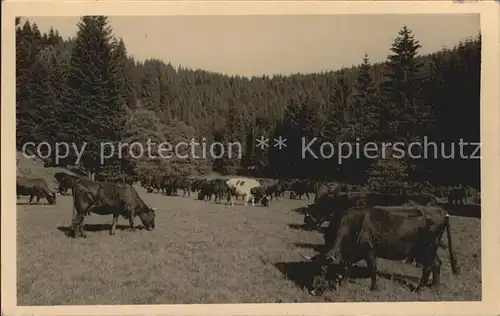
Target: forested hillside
x,y
88,89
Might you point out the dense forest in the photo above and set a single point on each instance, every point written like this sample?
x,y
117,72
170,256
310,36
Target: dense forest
x,y
88,89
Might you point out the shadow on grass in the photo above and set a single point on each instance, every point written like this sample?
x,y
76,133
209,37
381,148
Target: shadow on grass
x,y
299,226
33,203
301,273
315,247
319,229
68,231
301,210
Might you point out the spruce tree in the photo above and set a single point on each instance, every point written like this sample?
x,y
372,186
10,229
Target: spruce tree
x,y
93,108
402,88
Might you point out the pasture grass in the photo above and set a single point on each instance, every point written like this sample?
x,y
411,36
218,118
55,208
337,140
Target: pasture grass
x,y
203,252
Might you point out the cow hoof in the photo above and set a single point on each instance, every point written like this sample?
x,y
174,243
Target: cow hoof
x,y
373,288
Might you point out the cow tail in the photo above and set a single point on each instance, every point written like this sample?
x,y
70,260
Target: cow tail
x,y
453,260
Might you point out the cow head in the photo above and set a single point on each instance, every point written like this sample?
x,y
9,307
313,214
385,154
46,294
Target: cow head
x,y
321,280
148,218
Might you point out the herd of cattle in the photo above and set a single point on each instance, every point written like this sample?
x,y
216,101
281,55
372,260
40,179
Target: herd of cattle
x,y
362,225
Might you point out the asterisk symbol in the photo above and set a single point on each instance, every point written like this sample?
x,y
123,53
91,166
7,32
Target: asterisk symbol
x,y
262,142
280,142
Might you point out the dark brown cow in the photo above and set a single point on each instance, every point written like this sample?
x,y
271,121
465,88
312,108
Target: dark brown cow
x,y
393,233
34,187
300,188
326,188
106,198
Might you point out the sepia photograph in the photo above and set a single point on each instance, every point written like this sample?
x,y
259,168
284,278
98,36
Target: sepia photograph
x,y
229,159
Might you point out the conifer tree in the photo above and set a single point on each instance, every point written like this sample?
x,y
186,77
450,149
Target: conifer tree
x,y
94,110
402,88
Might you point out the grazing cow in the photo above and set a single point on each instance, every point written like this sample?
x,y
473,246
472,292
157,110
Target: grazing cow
x,y
185,185
300,188
326,206
392,233
215,187
106,198
34,187
157,183
457,196
271,188
243,187
196,184
220,189
206,191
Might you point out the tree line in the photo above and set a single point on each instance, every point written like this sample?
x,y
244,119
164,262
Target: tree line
x,y
88,89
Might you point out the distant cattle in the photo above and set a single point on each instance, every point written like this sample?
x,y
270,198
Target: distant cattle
x,y
271,188
393,233
34,187
214,188
196,184
157,182
105,198
249,189
180,183
206,190
300,188
457,196
327,188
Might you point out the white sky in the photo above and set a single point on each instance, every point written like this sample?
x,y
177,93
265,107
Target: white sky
x,y
257,45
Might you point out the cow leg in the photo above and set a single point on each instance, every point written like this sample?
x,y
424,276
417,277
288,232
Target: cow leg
x,y
113,225
307,195
348,273
371,263
131,222
78,225
426,271
436,272
32,195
